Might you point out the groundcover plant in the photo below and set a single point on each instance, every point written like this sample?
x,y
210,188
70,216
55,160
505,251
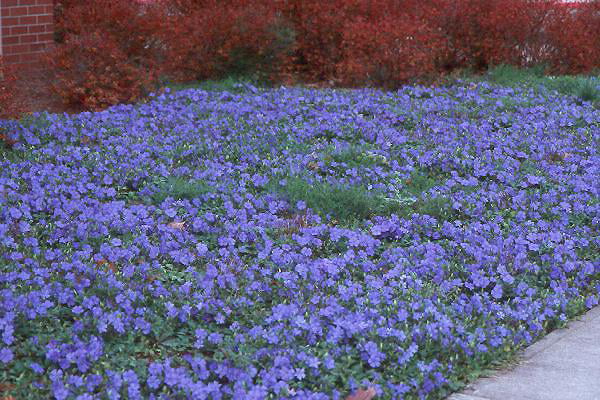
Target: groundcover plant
x,y
293,243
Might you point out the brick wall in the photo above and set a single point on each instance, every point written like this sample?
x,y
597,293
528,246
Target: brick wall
x,y
26,30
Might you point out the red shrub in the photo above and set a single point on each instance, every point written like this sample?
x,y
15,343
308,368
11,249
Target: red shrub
x,y
93,72
109,51
346,40
212,38
483,33
114,50
389,52
132,23
319,28
576,49
461,23
10,105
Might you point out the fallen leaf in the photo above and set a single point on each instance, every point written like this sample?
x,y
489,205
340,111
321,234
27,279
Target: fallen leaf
x,y
177,225
6,387
312,165
85,140
362,394
107,265
8,142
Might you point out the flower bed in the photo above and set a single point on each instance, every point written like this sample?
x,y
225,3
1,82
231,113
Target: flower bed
x,y
292,243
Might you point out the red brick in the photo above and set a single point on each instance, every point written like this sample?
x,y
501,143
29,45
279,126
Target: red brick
x,y
27,30
18,11
17,49
10,40
37,29
29,39
45,37
35,10
45,19
11,58
10,21
27,20
18,30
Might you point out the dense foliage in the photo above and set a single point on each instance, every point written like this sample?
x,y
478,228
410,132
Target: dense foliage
x,y
108,52
293,243
106,44
10,106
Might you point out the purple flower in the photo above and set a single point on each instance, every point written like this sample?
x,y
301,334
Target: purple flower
x,y
15,213
497,291
133,387
6,355
154,375
93,381
202,249
37,368
373,355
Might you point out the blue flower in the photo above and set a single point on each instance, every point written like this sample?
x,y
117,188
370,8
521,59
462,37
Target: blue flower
x,y
497,291
202,249
6,355
37,368
373,355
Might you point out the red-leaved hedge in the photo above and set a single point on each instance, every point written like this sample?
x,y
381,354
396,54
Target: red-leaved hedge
x,y
388,52
213,38
10,104
575,39
116,50
108,53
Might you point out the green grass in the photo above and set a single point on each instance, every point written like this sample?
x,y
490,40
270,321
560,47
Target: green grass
x,y
508,75
229,84
419,182
343,203
585,88
179,189
348,204
353,156
588,91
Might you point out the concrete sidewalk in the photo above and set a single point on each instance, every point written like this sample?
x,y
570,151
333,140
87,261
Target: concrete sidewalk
x,y
565,365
